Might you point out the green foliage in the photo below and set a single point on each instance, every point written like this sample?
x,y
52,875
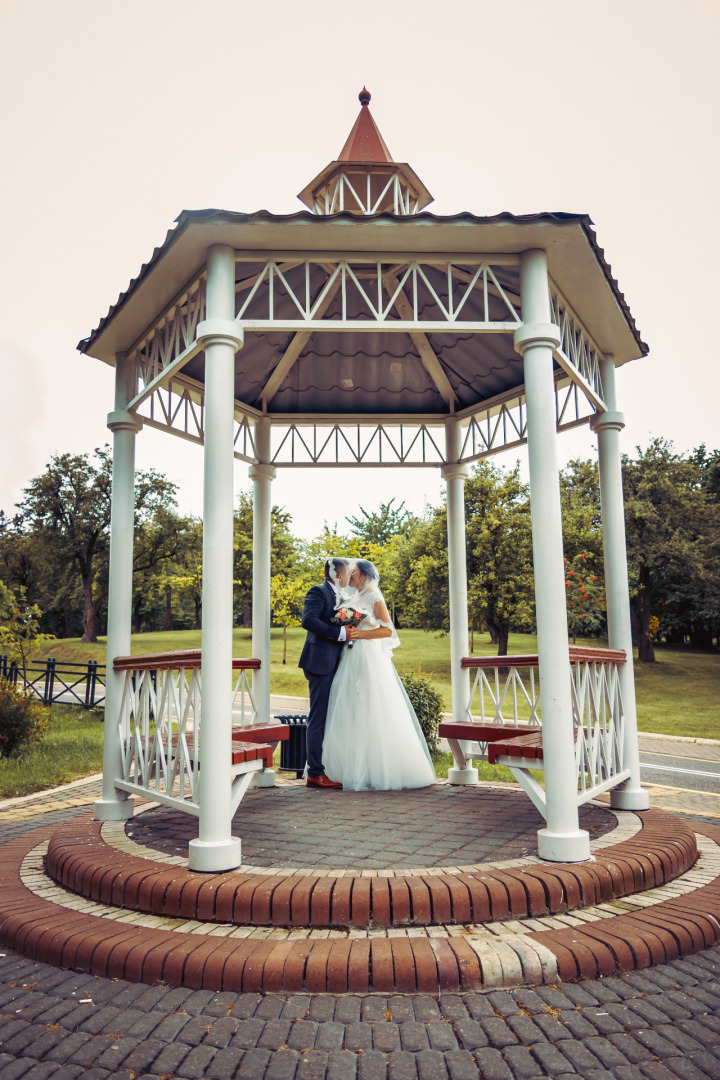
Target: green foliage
x,y
23,718
499,559
167,561
67,510
19,627
283,553
286,600
672,523
378,528
585,597
581,515
499,547
427,702
71,748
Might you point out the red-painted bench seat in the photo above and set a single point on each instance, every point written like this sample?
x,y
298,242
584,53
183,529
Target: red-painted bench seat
x,y
466,729
527,747
263,733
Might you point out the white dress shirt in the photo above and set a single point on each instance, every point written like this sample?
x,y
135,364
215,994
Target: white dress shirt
x,y
338,601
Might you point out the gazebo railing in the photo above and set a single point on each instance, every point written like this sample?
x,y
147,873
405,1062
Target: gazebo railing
x,y
505,695
160,722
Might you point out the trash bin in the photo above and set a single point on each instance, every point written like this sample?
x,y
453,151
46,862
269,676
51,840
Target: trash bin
x,y
293,750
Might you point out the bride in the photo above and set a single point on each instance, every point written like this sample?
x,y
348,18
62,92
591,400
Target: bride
x,y
373,740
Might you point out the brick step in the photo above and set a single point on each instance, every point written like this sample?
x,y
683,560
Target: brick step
x,y
81,861
155,952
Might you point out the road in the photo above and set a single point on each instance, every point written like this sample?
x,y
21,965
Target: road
x,y
682,777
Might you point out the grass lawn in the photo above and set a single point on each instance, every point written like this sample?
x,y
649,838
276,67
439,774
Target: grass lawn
x,y
678,695
71,748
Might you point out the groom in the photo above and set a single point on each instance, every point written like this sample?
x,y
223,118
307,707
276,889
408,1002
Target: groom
x,y
319,660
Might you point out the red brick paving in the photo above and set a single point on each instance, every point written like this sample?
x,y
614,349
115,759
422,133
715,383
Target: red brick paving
x,y
80,860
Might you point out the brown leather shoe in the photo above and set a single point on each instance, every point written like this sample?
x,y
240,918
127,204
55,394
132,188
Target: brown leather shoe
x,y
323,782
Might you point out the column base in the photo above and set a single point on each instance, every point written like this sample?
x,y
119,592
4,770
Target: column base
x,y
210,857
462,776
266,778
113,809
564,847
633,799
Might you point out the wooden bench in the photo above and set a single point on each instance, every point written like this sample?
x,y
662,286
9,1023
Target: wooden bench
x,y
486,737
242,750
527,747
262,733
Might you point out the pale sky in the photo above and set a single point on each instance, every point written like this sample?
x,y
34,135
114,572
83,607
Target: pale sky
x,y
118,116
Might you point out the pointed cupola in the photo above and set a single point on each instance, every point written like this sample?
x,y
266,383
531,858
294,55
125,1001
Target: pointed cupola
x,y
365,179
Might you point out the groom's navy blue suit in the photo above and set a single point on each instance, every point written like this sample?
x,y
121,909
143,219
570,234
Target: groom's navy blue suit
x,y
319,660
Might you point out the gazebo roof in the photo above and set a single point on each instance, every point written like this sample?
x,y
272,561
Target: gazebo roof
x,y
478,366
370,313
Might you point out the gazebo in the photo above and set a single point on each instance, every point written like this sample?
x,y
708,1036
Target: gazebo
x,y
366,331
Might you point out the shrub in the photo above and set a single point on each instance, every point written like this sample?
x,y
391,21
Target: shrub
x,y
23,718
427,703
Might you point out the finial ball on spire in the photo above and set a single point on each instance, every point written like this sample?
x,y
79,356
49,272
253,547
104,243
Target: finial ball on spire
x,y
364,96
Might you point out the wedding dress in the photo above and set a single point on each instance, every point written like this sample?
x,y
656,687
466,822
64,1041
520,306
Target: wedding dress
x,y
373,741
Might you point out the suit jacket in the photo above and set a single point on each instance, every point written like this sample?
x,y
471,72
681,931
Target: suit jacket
x,y
320,651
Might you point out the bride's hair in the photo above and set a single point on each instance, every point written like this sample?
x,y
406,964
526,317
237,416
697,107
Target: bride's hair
x,y
368,570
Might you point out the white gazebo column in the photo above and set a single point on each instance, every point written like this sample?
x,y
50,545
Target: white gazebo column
x,y
216,848
262,474
608,425
562,839
115,805
454,476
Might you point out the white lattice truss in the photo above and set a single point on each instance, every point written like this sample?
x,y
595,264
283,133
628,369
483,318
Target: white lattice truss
x,y
381,294
357,192
388,294
513,699
578,355
160,726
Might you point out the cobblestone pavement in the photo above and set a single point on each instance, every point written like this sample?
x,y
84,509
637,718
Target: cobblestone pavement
x,y
663,1024
660,1024
287,826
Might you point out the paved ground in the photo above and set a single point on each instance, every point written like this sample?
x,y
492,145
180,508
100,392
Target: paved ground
x,y
288,826
661,1024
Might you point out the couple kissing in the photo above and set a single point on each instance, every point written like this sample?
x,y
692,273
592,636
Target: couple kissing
x,y
362,732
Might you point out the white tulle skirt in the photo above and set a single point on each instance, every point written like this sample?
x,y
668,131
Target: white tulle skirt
x,y
372,738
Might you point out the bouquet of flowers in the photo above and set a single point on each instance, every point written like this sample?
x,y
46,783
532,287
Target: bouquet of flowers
x,y
347,616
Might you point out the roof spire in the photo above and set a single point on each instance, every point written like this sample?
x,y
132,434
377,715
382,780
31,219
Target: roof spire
x,y
365,179
365,143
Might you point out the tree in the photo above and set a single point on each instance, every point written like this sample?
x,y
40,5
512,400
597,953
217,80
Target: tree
x,y
69,507
585,597
382,525
167,553
283,550
581,513
499,559
286,600
19,627
673,537
499,547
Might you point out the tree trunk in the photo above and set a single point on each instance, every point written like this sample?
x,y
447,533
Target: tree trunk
x,y
247,615
284,643
499,634
136,613
168,624
646,649
89,611
198,614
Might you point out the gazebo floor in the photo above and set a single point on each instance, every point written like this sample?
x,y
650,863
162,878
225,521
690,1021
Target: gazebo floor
x,y
373,891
